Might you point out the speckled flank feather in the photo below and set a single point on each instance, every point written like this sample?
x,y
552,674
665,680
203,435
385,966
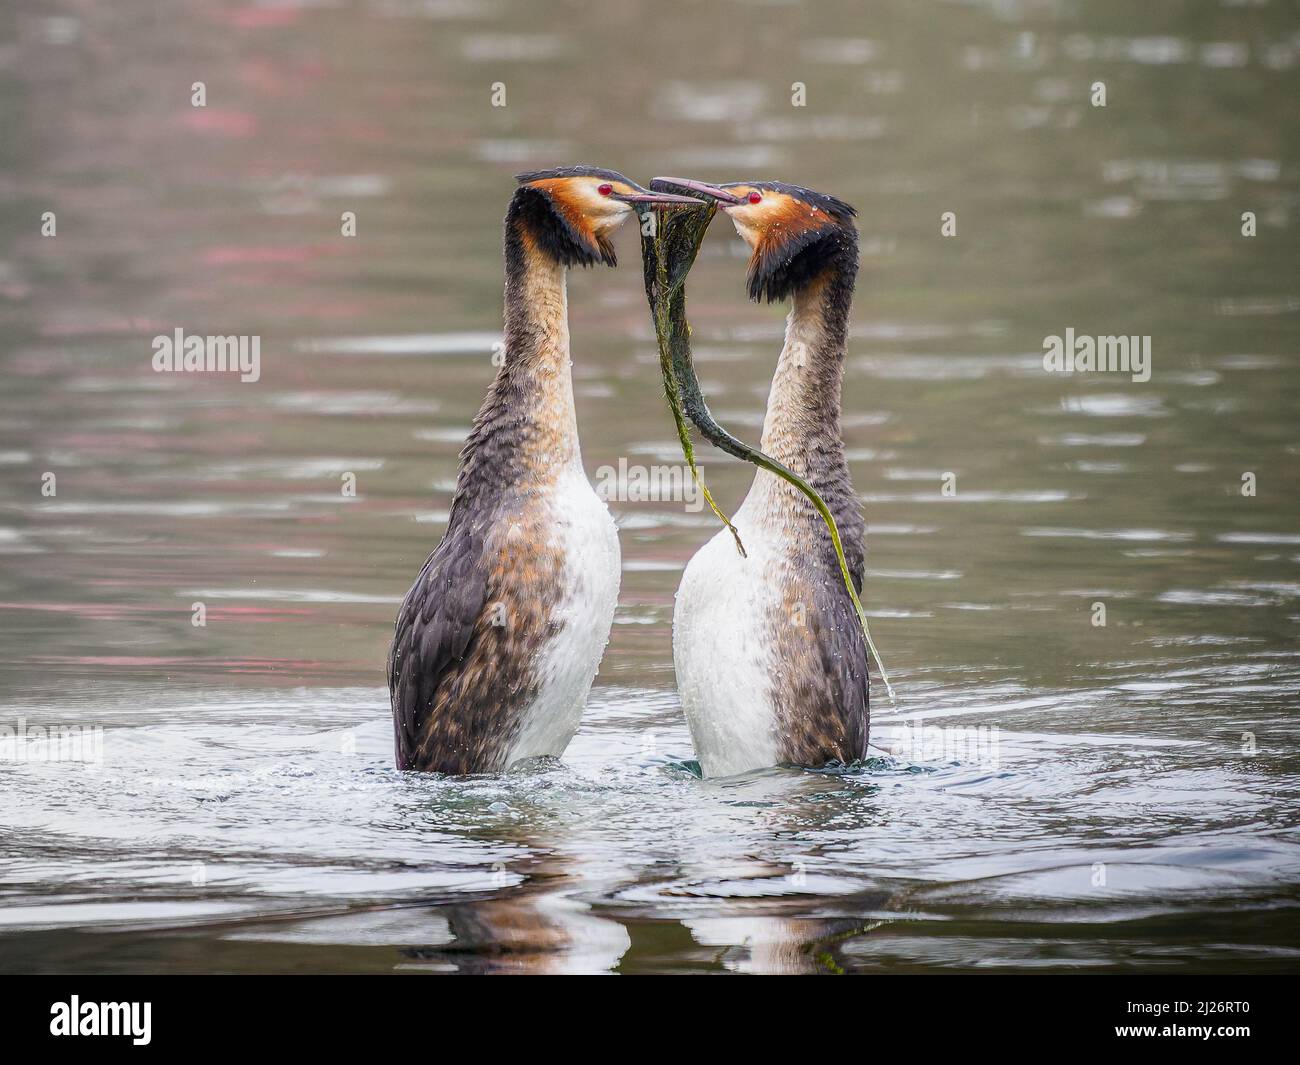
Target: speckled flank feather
x,y
480,609
512,610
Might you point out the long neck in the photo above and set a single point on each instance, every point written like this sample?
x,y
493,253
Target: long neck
x,y
526,432
802,427
802,430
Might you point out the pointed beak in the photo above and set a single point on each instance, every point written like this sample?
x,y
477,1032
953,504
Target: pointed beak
x,y
721,196
648,196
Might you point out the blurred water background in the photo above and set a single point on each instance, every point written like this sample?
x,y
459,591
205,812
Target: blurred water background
x,y
1139,810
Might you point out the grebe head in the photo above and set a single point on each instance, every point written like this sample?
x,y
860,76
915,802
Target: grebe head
x,y
575,209
794,234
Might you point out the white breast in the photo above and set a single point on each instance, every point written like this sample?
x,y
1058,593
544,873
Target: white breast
x,y
721,654
588,539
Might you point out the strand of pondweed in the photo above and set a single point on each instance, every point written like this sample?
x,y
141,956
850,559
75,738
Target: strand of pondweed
x,y
655,259
688,449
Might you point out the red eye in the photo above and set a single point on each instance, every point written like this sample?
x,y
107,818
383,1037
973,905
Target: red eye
x,y
605,189
755,197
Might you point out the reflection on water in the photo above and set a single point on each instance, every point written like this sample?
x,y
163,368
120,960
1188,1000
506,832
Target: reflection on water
x,y
1138,810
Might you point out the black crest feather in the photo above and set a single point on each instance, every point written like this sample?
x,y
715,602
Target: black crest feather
x,y
570,171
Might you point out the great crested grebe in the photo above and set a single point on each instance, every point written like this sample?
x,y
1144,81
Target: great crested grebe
x,y
770,658
498,640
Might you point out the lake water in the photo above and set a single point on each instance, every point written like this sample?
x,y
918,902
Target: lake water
x,y
1049,793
